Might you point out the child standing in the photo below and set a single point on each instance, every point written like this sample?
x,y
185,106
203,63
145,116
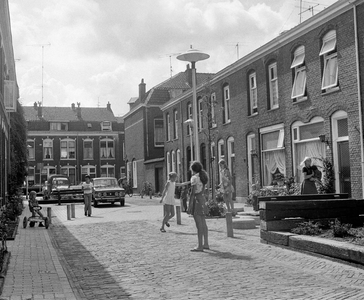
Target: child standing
x,y
168,198
87,195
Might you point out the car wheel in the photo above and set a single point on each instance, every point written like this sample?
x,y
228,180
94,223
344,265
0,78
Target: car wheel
x,y
122,202
25,222
112,203
31,224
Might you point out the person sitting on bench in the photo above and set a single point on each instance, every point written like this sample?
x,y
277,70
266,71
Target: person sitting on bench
x,y
34,206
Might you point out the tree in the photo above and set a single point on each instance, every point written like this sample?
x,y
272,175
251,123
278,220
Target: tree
x,y
18,150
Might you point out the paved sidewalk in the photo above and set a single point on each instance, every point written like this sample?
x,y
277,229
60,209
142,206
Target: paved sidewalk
x,y
34,271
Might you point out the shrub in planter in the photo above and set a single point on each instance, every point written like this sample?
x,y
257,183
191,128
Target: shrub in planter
x,y
307,228
215,209
340,229
13,207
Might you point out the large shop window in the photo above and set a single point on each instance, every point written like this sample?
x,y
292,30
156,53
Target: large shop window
x,y
273,153
306,142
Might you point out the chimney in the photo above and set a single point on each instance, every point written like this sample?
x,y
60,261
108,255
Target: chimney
x,y
35,105
40,112
79,110
73,106
108,106
188,73
141,91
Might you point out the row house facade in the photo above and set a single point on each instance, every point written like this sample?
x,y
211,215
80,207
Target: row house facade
x,y
74,141
298,95
144,130
9,94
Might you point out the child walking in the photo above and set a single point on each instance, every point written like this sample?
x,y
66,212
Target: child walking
x,y
168,198
87,194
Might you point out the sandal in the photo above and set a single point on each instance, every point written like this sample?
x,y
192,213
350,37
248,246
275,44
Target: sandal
x,y
206,247
162,230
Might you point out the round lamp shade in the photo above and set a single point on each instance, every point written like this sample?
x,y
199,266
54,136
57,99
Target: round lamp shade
x,y
193,55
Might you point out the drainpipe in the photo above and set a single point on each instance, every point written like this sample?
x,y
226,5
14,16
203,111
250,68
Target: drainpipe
x,y
359,98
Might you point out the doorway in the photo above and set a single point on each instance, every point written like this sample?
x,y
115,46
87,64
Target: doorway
x,y
344,167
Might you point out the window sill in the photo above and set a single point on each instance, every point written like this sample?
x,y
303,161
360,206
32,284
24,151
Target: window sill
x,y
330,91
88,159
107,157
274,108
227,123
48,159
253,115
158,146
213,126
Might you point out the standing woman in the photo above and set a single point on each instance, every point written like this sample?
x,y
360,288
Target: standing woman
x,y
226,186
308,185
197,205
87,195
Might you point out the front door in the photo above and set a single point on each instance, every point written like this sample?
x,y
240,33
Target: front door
x,y
344,167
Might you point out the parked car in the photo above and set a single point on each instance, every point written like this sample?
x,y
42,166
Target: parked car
x,y
107,190
59,185
38,188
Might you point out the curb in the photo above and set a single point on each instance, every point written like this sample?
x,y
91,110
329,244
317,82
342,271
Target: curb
x,y
340,250
4,270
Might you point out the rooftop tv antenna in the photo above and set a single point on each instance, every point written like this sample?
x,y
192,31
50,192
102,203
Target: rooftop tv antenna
x,y
42,45
170,61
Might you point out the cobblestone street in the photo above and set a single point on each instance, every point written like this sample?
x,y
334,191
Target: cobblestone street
x,y
129,258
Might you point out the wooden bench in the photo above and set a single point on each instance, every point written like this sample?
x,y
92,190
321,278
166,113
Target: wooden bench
x,y
280,215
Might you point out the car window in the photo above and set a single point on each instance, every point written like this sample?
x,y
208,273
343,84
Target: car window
x,y
104,183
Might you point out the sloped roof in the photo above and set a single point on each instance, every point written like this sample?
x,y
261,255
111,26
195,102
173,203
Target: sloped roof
x,y
179,81
67,114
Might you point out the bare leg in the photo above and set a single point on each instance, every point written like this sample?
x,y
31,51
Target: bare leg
x,y
205,233
227,202
200,231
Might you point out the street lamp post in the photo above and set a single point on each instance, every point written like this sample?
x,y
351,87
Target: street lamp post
x,y
193,56
190,122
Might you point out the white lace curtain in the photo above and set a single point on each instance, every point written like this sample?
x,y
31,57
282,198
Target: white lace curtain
x,y
273,160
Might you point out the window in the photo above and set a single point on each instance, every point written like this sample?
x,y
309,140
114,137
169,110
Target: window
x,y
88,151
252,153
31,149
173,161
299,68
189,115
200,114
70,171
253,96
226,104
88,170
68,149
107,150
179,164
31,176
158,133
169,169
168,127
175,121
212,121
107,171
135,175
329,55
58,126
306,142
221,149
106,126
273,153
273,86
47,149
231,153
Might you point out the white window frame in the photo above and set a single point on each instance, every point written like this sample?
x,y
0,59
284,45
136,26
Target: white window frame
x,y
231,151
189,116
168,128
86,170
106,126
50,147
108,173
65,170
273,85
179,163
88,140
110,151
200,114
329,54
58,126
221,149
175,116
227,103
31,149
158,143
253,93
300,78
251,151
173,155
135,174
168,163
212,110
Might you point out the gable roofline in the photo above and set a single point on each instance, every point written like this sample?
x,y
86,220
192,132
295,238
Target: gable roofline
x,y
290,35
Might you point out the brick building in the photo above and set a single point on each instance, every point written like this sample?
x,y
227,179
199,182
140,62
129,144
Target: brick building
x,y
298,95
9,94
145,131
74,141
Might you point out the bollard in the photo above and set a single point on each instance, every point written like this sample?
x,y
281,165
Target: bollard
x,y
73,210
229,224
59,198
178,213
49,214
68,212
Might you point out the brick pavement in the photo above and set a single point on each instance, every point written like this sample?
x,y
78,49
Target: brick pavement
x,y
131,259
119,253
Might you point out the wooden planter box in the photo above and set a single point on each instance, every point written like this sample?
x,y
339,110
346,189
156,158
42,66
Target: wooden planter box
x,y
284,215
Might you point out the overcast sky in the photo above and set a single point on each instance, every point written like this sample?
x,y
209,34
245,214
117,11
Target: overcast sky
x,y
97,51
